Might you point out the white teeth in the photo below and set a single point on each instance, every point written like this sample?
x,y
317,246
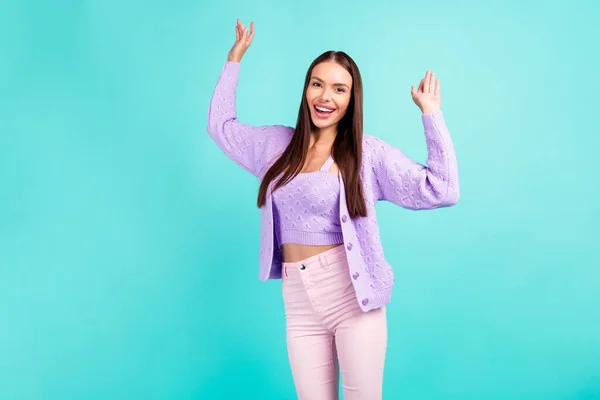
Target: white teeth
x,y
323,109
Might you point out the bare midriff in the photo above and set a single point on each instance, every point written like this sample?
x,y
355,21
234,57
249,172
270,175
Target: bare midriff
x,y
292,252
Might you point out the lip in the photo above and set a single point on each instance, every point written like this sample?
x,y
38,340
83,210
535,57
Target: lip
x,y
324,106
323,115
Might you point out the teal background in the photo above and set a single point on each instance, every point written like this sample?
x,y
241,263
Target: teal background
x,y
129,242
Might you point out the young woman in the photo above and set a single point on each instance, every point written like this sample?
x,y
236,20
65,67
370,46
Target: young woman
x,y
319,235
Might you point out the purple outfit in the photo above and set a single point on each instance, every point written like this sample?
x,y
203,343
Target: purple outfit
x,y
386,174
306,209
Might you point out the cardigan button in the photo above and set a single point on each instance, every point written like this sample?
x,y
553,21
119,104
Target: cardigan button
x,y
355,275
303,267
365,301
344,218
349,246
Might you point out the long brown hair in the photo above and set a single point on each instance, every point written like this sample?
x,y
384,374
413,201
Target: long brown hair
x,y
347,146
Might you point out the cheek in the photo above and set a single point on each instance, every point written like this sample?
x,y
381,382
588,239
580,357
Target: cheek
x,y
344,106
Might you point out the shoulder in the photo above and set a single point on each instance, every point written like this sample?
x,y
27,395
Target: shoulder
x,y
269,138
372,148
372,142
275,140
277,137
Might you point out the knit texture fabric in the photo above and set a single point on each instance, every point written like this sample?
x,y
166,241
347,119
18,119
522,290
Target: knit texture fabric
x,y
386,174
306,209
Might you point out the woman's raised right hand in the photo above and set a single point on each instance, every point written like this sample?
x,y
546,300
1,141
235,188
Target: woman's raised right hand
x,y
243,40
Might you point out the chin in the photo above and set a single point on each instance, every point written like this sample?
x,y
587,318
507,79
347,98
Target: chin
x,y
322,124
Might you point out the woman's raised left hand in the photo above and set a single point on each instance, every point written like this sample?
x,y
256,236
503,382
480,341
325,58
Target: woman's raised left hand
x,y
427,95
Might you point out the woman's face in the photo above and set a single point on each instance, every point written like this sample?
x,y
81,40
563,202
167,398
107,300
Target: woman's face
x,y
328,94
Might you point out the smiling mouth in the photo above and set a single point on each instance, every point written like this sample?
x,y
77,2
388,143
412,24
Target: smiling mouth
x,y
323,110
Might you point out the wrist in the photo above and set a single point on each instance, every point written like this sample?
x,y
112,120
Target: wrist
x,y
430,110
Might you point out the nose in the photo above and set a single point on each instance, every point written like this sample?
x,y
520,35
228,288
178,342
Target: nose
x,y
325,96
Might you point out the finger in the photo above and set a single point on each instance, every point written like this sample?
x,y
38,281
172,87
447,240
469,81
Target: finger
x,y
245,37
432,83
243,31
437,88
251,31
237,33
426,84
240,29
420,90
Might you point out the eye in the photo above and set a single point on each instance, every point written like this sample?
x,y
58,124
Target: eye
x,y
342,90
316,84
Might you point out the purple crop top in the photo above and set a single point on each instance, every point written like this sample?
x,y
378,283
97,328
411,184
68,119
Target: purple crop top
x,y
306,209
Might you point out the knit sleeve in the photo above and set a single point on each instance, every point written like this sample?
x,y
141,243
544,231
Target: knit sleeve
x,y
412,185
244,144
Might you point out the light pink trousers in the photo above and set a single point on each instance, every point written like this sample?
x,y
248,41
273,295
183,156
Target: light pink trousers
x,y
327,332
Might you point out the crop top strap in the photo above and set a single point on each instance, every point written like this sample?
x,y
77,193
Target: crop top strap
x,y
327,164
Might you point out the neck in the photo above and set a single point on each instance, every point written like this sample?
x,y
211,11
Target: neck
x,y
320,137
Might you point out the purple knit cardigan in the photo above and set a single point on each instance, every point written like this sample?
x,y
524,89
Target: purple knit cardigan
x,y
386,174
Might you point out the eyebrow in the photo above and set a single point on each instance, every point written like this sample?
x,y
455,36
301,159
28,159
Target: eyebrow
x,y
335,84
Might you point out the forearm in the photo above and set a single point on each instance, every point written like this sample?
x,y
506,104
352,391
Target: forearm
x,y
222,103
409,184
442,170
235,139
